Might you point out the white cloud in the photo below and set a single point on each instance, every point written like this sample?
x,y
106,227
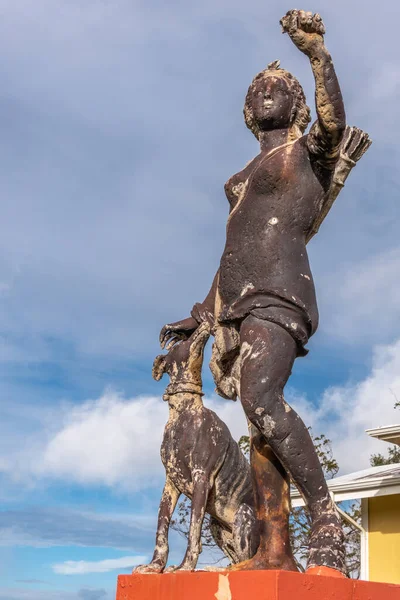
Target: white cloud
x,y
107,441
345,412
79,567
115,441
112,441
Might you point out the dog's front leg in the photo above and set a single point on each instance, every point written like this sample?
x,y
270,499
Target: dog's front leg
x,y
169,499
201,487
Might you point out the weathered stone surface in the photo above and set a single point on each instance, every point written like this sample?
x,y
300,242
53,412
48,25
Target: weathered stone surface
x,y
262,310
202,461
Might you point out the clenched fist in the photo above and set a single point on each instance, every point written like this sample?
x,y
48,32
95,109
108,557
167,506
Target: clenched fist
x,y
305,30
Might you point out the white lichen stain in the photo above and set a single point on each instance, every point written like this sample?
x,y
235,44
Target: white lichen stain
x,y
245,350
269,426
247,288
237,189
273,221
293,325
174,372
305,276
259,410
224,589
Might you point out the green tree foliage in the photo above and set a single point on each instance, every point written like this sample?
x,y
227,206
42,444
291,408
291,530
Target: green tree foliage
x,y
393,456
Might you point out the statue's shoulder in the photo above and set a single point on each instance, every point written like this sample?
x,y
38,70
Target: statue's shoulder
x,y
299,147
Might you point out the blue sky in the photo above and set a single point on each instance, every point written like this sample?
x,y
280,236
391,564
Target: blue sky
x,y
120,122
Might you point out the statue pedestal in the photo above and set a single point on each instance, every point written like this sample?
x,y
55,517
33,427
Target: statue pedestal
x,y
249,585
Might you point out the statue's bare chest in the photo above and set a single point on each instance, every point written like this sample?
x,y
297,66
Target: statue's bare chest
x,y
236,184
282,181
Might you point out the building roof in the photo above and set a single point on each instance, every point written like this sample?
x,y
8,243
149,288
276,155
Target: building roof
x,y
390,433
375,481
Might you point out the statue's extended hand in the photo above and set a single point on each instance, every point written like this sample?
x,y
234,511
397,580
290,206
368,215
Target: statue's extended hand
x,y
173,333
305,30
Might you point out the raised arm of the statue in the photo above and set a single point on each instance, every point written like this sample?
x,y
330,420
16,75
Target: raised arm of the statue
x,y
306,31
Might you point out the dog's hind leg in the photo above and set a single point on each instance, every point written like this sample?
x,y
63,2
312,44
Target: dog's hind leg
x,y
169,499
245,533
224,540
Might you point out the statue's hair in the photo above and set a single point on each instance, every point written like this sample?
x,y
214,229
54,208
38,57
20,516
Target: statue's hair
x,y
300,117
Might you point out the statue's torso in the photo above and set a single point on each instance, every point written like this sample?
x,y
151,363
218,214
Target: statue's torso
x,y
274,201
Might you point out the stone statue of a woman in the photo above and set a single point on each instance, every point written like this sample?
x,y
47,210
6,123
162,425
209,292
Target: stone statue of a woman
x,y
262,305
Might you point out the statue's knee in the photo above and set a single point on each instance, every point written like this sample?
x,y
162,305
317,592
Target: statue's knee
x,y
251,410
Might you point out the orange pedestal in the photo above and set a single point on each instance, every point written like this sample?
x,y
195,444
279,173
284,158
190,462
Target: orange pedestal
x,y
250,585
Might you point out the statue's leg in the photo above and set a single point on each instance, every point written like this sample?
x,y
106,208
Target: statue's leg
x,y
271,486
268,353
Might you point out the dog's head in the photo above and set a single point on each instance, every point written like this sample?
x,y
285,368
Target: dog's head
x,y
184,361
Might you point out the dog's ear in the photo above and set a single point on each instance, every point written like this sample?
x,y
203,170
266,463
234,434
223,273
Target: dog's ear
x,y
158,367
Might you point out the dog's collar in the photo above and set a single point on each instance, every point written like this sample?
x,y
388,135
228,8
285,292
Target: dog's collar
x,y
179,388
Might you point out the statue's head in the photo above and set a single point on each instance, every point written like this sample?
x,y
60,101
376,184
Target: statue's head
x,y
276,100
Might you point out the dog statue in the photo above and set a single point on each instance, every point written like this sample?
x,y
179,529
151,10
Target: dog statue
x,y
203,462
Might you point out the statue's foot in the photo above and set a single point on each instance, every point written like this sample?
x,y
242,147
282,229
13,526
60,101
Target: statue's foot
x,y
182,567
263,561
149,569
325,572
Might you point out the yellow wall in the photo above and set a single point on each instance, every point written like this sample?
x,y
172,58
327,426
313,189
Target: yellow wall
x,y
384,538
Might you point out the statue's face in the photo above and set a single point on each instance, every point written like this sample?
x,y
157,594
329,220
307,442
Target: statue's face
x,y
272,103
